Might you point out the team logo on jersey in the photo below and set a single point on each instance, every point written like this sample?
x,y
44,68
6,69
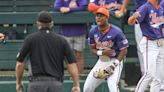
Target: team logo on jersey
x,y
125,41
156,21
96,38
105,44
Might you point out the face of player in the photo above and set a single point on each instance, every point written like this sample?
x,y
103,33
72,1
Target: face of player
x,y
101,19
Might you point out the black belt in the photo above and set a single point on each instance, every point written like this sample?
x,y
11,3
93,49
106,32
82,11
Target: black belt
x,y
42,78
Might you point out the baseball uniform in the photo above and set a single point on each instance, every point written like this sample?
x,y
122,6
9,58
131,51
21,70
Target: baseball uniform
x,y
149,46
158,84
115,40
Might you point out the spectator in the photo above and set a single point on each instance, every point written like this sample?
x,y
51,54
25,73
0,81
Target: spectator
x,y
74,33
11,34
111,5
162,3
109,43
46,50
2,36
123,9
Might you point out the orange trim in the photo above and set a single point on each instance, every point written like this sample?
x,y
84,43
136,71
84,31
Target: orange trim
x,y
154,4
106,30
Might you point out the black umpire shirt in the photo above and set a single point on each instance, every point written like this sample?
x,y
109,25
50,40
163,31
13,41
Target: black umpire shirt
x,y
47,51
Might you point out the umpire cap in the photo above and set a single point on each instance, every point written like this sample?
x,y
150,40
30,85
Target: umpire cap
x,y
44,17
103,11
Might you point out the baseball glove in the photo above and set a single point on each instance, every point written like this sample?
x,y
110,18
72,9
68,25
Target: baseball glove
x,y
104,73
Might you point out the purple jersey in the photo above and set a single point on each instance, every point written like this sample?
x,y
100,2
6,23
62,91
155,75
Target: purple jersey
x,y
104,2
72,29
162,4
151,16
65,3
139,3
114,39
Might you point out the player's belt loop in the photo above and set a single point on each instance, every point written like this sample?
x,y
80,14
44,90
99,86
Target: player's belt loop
x,y
148,38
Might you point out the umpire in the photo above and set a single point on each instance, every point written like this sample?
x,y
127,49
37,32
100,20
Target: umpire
x,y
47,51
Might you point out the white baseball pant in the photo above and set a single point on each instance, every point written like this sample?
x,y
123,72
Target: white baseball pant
x,y
138,37
158,81
91,82
150,51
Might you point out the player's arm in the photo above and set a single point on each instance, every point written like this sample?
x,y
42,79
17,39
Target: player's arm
x,y
133,19
122,44
139,16
122,54
107,52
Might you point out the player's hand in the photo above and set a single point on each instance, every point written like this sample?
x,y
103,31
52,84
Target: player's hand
x,y
2,36
72,4
133,19
136,15
75,89
19,87
108,52
64,9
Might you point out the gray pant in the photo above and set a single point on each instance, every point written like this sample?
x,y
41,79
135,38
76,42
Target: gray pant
x,y
45,86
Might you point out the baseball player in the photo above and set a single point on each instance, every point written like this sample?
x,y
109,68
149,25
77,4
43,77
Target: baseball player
x,y
109,43
137,29
2,36
159,78
149,15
